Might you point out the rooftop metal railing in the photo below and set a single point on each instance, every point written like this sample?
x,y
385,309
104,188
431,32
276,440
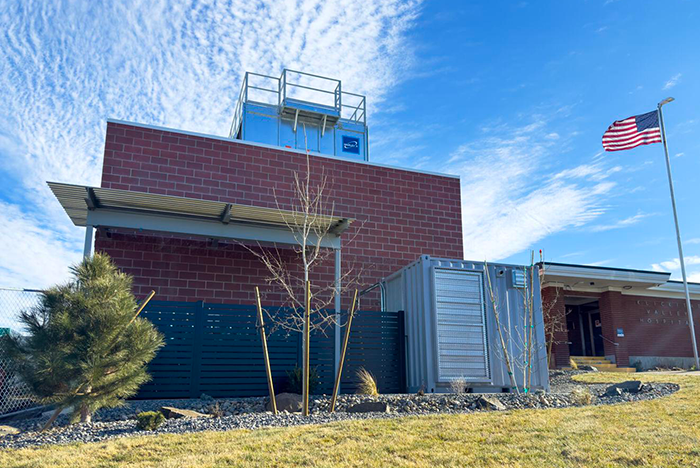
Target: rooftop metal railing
x,y
298,86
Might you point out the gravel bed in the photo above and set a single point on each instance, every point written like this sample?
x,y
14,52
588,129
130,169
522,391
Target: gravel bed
x,y
249,413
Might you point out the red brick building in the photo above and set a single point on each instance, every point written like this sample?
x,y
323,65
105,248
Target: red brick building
x,y
399,213
631,317
180,212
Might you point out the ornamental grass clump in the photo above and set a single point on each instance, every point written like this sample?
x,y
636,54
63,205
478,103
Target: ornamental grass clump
x,y
458,385
581,396
367,384
295,384
216,411
149,420
85,346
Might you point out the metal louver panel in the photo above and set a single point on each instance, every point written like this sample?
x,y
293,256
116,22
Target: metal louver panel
x,y
461,329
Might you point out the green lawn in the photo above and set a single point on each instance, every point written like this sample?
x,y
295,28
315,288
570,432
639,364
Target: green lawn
x,y
660,433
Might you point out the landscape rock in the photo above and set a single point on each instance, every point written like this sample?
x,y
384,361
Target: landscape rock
x,y
489,403
176,413
588,368
630,386
7,430
613,391
249,413
370,407
290,402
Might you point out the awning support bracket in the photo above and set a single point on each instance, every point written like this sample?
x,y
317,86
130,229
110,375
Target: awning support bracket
x,y
226,215
91,199
339,227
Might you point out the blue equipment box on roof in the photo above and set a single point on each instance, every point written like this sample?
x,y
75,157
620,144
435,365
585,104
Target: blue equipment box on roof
x,y
301,111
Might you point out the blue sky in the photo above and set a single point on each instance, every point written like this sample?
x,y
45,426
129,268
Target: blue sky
x,y
513,96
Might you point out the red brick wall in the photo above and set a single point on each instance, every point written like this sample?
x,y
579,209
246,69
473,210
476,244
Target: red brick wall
x,y
658,327
613,316
399,214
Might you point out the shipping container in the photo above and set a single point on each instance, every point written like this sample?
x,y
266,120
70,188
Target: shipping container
x,y
451,325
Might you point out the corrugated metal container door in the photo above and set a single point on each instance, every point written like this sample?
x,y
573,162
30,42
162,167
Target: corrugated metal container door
x,y
461,332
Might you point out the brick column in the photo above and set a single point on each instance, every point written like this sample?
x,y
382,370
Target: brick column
x,y
554,312
612,317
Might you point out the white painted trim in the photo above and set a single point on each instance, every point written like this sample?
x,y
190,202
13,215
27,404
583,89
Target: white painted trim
x,y
583,272
672,290
677,286
665,293
279,148
582,289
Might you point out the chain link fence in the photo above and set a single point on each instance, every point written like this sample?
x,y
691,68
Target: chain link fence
x,y
14,394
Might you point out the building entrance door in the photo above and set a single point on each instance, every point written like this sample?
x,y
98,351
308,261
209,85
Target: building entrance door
x,y
584,327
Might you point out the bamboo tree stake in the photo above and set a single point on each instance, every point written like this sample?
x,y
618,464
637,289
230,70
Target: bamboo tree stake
x,y
52,419
307,343
513,383
342,352
142,306
526,295
268,371
532,319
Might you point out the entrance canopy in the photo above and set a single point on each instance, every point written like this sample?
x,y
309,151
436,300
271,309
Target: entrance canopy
x,y
106,207
597,278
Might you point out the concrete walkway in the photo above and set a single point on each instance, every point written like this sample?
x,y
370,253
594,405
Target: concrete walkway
x,y
671,372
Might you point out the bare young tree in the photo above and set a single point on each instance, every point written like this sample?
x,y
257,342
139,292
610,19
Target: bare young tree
x,y
502,332
517,346
554,318
306,306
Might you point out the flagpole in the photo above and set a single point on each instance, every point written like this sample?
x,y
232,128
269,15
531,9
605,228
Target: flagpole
x,y
678,235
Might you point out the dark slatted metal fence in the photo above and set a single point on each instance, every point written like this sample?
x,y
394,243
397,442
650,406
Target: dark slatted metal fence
x,y
377,343
216,349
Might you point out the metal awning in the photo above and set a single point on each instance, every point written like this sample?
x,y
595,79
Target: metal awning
x,y
106,207
103,207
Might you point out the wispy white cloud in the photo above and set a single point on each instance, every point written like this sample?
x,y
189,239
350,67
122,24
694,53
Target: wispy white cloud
x,y
688,126
33,254
69,65
673,266
600,262
509,201
596,172
673,81
695,240
623,223
573,254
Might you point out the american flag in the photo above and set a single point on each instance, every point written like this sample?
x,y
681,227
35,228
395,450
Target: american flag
x,y
632,132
